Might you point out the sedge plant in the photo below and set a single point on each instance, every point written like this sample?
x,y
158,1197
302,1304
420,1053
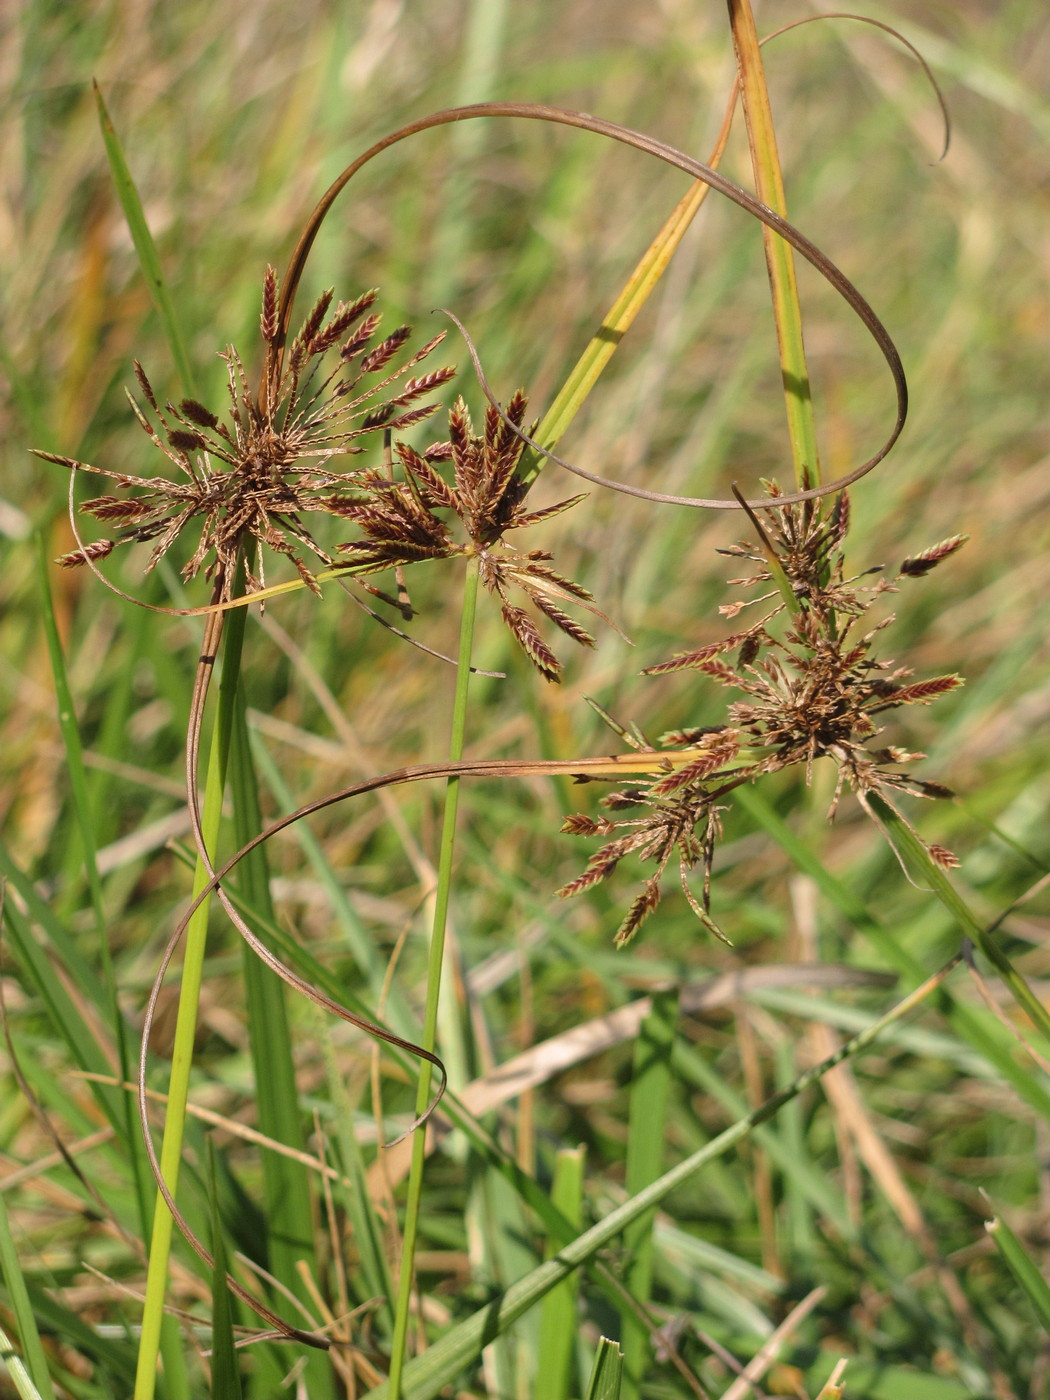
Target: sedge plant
x,y
811,687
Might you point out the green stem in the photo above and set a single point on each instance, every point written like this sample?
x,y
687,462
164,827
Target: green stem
x,y
458,1348
780,258
906,840
189,998
437,950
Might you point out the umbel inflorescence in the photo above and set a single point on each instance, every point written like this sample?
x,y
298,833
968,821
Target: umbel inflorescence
x,y
813,689
403,522
250,480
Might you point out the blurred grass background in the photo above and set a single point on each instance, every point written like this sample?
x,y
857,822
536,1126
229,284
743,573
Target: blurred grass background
x,y
233,121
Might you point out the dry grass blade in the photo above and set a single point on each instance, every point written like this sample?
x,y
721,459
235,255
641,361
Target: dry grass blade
x,y
746,1383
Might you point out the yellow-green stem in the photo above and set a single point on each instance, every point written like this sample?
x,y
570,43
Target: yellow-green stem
x,y
186,1022
780,258
437,950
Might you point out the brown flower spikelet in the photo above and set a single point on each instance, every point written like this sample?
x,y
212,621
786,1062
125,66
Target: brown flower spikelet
x,y
487,494
811,692
251,478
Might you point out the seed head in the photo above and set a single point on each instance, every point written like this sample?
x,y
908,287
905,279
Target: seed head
x,y
401,525
813,688
249,480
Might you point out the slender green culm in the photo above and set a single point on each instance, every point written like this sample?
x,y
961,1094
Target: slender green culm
x,y
186,1023
434,964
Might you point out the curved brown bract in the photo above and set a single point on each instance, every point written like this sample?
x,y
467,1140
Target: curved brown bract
x,y
671,156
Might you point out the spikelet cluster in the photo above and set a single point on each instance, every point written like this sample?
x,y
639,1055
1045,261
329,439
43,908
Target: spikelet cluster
x,y
244,483
405,521
812,687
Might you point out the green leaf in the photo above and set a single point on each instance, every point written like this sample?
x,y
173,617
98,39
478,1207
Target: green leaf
x,y
426,1375
149,259
607,1373
1023,1268
15,1368
225,1372
31,1378
970,1024
909,843
558,1316
646,1136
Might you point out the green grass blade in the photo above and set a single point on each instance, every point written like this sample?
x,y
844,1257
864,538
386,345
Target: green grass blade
x,y
287,1187
806,1178
780,258
1023,1267
426,1375
646,1134
559,1325
82,807
62,1010
607,1374
145,248
63,944
70,732
225,1372
15,1367
978,1030
35,1371
908,843
365,1226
